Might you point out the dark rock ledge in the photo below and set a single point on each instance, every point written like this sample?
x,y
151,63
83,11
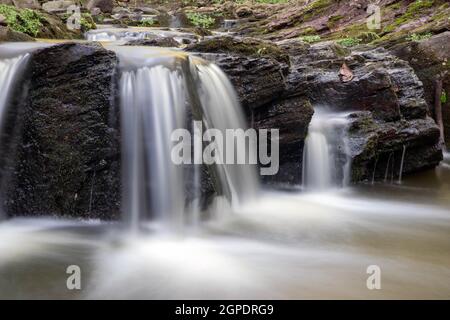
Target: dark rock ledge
x,y
67,158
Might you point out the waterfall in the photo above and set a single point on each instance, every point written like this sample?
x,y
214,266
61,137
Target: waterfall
x,y
222,111
326,160
157,97
10,70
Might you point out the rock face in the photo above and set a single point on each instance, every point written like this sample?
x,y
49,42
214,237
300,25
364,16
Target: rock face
x,y
385,100
430,60
67,158
391,112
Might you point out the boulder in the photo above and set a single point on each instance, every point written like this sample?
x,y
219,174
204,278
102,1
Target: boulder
x,y
430,59
243,12
379,150
384,97
154,42
8,35
106,6
147,10
57,6
2,20
291,117
67,161
27,4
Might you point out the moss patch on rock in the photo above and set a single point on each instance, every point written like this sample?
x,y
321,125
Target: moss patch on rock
x,y
244,46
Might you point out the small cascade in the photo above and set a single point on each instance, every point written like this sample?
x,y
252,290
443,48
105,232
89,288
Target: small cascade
x,y
120,35
326,160
400,173
10,70
157,97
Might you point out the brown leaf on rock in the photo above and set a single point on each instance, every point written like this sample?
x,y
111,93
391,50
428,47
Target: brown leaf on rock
x,y
345,73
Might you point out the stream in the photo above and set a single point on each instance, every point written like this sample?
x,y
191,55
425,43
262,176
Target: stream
x,y
315,243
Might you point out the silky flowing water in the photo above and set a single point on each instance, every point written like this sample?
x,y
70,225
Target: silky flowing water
x,y
274,245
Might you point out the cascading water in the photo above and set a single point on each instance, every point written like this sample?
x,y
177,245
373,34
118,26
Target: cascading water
x,y
10,70
326,161
155,98
152,106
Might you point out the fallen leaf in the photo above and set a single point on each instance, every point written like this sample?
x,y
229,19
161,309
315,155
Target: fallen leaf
x,y
345,73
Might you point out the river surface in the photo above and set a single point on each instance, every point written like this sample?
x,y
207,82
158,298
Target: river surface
x,y
282,246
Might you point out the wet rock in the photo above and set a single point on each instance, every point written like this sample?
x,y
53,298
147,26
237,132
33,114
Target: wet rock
x,y
106,6
67,159
241,46
430,59
381,83
155,42
377,148
291,117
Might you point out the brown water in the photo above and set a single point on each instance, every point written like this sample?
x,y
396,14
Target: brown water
x,y
284,246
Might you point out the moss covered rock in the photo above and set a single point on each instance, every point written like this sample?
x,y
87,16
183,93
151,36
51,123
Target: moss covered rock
x,y
241,46
67,159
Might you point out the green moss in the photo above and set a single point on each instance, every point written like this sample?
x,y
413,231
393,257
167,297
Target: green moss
x,y
414,10
310,39
147,23
352,31
308,31
200,20
395,6
22,20
87,22
247,47
368,37
349,42
340,51
316,8
419,37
